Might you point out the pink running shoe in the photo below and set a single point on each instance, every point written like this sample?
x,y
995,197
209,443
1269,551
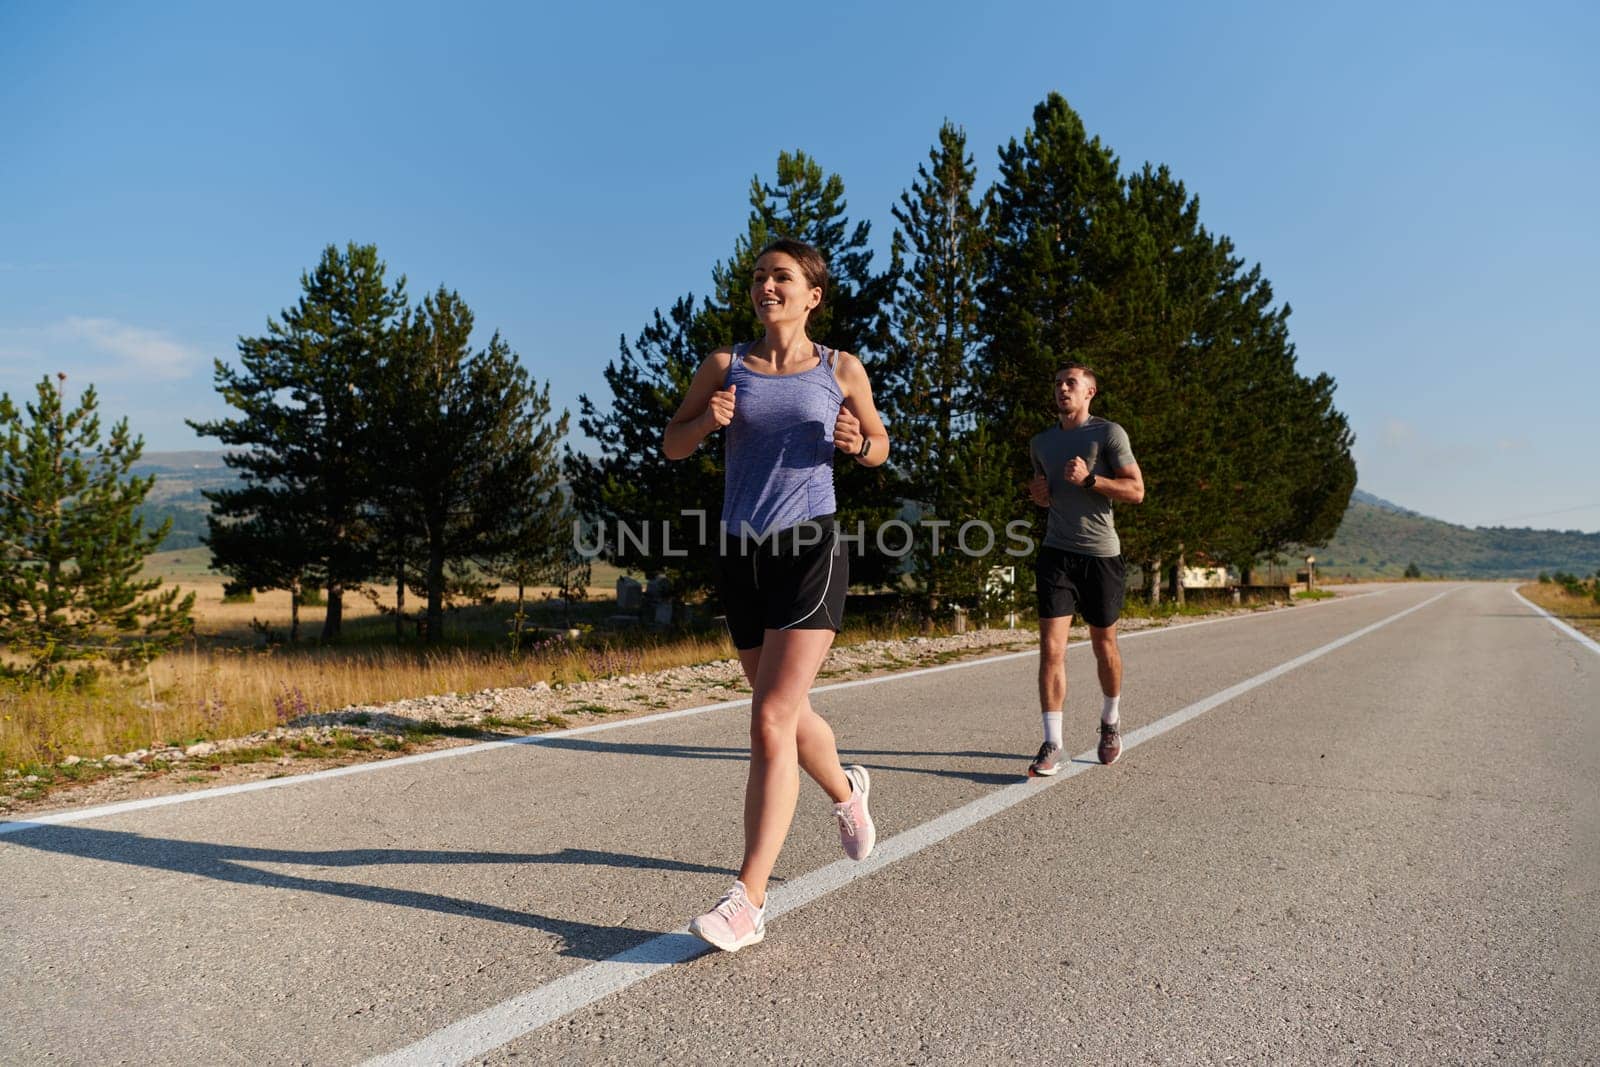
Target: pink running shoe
x,y
856,832
733,923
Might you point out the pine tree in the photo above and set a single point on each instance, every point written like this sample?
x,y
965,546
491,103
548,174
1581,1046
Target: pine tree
x,y
927,392
1162,382
72,545
302,393
1317,465
1241,455
474,465
1056,189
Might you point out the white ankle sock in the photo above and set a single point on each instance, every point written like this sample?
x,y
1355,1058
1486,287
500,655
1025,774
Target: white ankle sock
x,y
1052,727
1108,714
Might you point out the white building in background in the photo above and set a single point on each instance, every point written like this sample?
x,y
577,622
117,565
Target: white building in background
x,y
1209,578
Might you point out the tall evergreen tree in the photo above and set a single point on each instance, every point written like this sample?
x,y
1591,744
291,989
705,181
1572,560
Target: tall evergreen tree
x,y
1162,378
1072,276
302,393
1056,188
1318,470
72,544
1241,455
476,463
928,391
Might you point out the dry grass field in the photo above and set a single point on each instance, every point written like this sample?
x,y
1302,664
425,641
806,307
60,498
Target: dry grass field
x,y
240,674
218,622
1580,612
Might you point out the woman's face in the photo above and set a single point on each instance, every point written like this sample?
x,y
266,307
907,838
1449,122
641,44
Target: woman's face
x,y
779,290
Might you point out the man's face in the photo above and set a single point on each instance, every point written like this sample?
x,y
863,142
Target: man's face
x,y
1073,391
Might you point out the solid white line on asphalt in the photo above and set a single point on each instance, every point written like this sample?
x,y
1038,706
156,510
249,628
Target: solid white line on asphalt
x,y
1576,634
526,1012
122,807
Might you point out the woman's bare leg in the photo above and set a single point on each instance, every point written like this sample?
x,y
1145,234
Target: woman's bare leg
x,y
819,755
788,664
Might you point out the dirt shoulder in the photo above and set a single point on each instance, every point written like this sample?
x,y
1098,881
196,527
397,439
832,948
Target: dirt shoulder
x,y
423,724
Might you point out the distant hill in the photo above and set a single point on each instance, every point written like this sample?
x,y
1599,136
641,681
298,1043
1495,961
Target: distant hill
x,y
1380,539
180,478
1381,504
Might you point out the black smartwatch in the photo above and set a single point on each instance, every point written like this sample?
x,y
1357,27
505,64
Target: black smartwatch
x,y
866,446
1088,483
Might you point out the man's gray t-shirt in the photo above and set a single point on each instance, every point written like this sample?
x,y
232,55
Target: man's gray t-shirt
x,y
1080,519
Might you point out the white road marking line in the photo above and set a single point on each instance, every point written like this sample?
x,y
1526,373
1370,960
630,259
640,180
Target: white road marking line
x,y
1571,631
526,1012
122,807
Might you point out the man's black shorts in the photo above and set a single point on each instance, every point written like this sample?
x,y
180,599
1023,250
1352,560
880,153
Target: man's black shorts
x,y
795,579
1087,586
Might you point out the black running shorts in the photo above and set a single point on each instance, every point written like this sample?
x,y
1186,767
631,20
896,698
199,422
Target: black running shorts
x,y
793,579
1071,584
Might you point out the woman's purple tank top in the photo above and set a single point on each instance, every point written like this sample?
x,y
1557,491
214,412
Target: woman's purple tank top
x,y
780,445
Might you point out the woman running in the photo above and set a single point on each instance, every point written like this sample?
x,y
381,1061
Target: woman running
x,y
788,404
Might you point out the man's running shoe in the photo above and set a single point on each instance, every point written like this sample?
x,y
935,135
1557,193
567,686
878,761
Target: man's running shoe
x,y
732,924
1110,743
856,832
1047,762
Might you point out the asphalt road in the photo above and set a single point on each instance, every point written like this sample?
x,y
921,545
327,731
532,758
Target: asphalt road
x,y
1366,830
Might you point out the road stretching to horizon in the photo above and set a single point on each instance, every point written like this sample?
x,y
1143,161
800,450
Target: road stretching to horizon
x,y
1362,830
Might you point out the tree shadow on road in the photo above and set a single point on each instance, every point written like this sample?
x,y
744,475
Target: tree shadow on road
x,y
228,863
849,755
636,748
861,755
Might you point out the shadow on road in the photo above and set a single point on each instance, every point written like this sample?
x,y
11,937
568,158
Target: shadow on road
x,y
626,748
849,755
1006,777
227,863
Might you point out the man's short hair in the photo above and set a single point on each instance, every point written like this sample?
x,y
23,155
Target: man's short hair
x,y
1094,379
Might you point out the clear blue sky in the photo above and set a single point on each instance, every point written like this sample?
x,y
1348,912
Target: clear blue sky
x,y
1417,180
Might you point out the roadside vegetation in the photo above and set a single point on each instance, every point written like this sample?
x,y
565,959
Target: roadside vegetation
x,y
230,683
1574,600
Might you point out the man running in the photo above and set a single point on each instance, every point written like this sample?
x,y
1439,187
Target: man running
x,y
1081,465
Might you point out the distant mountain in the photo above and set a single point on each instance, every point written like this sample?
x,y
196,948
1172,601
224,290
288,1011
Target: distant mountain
x,y
179,462
180,479
1381,539
1381,504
